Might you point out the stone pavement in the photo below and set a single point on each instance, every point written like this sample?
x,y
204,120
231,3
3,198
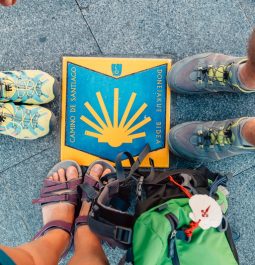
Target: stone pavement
x,y
36,34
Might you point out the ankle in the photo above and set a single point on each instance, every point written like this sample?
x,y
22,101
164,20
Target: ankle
x,y
247,75
248,131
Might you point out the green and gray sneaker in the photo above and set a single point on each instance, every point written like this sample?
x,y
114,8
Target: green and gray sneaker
x,y
209,141
25,121
28,86
205,73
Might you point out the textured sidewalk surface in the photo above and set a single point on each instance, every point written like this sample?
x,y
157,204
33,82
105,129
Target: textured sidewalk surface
x,y
36,34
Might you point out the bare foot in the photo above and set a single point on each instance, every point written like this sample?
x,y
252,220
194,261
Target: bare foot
x,y
7,2
62,210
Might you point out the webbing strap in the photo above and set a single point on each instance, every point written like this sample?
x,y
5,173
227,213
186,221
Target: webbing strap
x,y
120,234
151,176
134,164
118,164
139,159
220,180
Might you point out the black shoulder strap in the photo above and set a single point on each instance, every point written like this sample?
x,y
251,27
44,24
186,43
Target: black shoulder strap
x,y
139,160
120,234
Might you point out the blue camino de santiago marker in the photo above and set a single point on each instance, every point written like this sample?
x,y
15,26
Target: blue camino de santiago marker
x,y
108,114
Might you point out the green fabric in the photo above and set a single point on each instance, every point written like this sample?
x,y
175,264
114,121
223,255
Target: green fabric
x,y
152,229
4,259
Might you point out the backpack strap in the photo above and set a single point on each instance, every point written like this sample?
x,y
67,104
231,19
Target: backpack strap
x,y
134,164
120,234
220,180
139,160
119,166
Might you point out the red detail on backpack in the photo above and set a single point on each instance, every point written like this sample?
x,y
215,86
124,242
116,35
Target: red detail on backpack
x,y
187,193
192,226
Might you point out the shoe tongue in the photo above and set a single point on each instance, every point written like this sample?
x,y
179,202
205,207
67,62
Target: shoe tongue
x,y
2,91
234,75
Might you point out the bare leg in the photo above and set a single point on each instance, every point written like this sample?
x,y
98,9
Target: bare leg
x,y
48,249
247,70
248,131
7,2
88,249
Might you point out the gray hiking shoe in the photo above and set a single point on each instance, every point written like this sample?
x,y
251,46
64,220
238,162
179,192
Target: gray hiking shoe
x,y
209,141
205,73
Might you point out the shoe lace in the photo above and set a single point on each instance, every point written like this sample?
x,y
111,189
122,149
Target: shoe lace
x,y
28,88
26,120
215,136
211,74
23,120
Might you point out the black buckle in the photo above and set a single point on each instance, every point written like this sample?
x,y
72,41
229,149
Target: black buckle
x,y
123,235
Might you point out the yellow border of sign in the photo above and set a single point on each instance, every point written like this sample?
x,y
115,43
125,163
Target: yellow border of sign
x,y
130,67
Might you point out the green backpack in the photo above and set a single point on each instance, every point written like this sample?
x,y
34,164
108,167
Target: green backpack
x,y
158,239
165,234
149,215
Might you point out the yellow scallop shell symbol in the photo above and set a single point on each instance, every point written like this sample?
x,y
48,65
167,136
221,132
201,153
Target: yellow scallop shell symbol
x,y
113,132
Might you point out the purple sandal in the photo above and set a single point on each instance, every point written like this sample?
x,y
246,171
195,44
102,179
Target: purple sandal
x,y
90,188
55,191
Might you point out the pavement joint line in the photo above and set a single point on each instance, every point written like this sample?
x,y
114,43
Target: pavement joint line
x,y
84,18
14,165
236,174
246,16
245,183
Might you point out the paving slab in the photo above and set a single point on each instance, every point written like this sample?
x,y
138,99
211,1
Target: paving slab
x,y
178,28
241,215
248,7
36,38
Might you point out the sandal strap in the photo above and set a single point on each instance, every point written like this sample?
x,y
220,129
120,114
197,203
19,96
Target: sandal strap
x,y
72,198
81,220
52,186
89,188
58,225
55,225
91,181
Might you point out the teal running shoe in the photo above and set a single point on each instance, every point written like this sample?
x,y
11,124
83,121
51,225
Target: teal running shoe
x,y
209,141
28,86
207,73
25,121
